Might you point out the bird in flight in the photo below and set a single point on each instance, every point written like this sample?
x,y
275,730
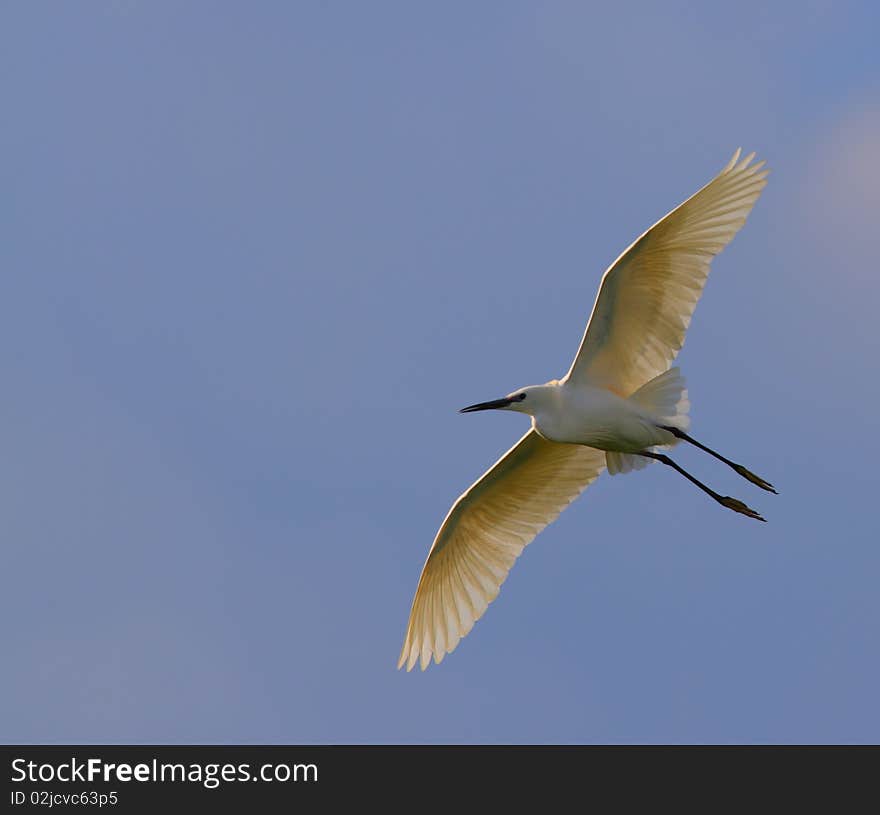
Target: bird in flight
x,y
619,406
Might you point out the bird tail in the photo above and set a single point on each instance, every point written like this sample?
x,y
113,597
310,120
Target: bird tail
x,y
625,462
665,400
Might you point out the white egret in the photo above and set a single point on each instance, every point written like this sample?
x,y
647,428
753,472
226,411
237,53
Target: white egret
x,y
619,406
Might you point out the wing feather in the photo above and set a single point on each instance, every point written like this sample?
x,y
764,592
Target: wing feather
x,y
648,295
484,533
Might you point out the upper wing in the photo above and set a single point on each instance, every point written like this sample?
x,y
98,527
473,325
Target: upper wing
x,y
649,293
484,533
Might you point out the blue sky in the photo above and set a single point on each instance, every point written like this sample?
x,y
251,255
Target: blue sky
x,y
255,256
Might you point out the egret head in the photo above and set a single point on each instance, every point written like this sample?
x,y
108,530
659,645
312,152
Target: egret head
x,y
523,400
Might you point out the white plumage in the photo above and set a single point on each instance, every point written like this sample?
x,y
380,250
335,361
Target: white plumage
x,y
619,406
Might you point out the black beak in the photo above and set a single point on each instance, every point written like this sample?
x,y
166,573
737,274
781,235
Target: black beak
x,y
493,405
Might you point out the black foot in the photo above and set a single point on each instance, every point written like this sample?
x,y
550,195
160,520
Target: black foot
x,y
755,479
739,506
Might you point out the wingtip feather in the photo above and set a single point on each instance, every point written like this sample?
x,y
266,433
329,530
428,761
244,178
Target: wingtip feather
x,y
732,163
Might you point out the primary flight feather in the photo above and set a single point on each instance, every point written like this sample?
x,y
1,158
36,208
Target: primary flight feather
x,y
619,406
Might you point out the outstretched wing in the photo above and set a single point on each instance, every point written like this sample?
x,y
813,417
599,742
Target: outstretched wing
x,y
648,295
484,533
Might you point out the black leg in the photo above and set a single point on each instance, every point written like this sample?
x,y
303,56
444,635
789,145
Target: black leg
x,y
747,474
724,500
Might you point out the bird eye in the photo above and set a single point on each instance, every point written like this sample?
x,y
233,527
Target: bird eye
x,y
521,397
